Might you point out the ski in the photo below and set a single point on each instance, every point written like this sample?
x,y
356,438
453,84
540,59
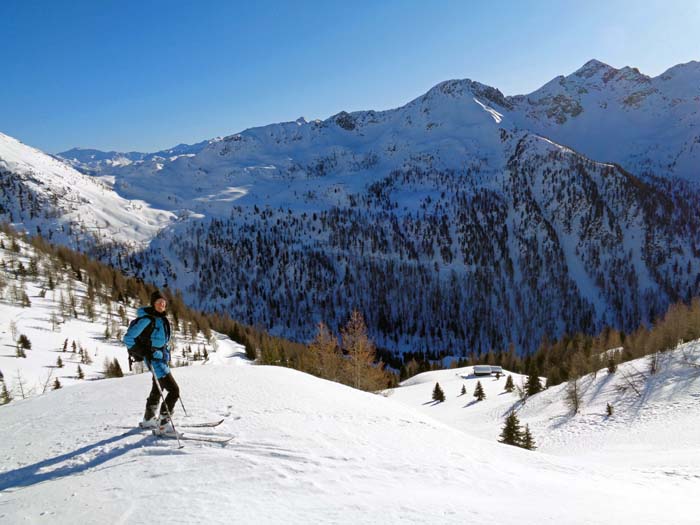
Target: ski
x,y
206,424
221,440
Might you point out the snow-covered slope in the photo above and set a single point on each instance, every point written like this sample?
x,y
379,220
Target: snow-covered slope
x,y
58,325
652,431
305,451
41,193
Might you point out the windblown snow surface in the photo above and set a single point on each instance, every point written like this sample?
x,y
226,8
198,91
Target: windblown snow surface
x,y
312,451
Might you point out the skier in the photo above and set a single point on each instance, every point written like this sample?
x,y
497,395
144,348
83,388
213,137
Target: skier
x,y
153,317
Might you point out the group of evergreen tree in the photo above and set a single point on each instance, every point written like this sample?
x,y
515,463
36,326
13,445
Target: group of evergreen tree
x,y
111,368
439,394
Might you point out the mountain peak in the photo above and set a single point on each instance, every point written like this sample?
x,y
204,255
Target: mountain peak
x,y
593,67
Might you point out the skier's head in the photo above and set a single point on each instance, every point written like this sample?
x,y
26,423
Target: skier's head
x,y
158,301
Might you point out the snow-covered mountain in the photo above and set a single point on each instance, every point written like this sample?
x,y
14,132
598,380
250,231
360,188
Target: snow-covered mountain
x,y
93,160
456,222
647,125
43,195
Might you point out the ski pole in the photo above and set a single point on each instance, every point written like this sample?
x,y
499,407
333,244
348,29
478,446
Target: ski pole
x,y
167,410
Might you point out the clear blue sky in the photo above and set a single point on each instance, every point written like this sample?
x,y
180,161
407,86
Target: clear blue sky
x,y
146,75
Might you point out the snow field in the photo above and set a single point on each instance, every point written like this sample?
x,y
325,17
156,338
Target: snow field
x,y
306,450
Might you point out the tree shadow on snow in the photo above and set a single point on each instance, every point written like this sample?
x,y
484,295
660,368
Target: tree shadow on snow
x,y
37,473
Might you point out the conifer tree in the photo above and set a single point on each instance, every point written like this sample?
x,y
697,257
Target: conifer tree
x,y
573,395
464,390
5,396
57,384
59,362
325,359
533,385
65,345
364,373
24,342
609,410
26,303
117,369
509,384
511,433
612,366
81,374
527,441
438,394
111,368
479,393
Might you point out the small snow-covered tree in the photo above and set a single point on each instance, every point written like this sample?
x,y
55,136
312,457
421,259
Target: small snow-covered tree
x,y
511,434
609,410
438,394
527,441
59,362
26,303
479,393
112,368
464,390
54,321
81,374
24,342
5,395
509,384
57,384
533,385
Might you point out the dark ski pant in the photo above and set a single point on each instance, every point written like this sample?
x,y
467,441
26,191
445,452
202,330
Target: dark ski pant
x,y
166,383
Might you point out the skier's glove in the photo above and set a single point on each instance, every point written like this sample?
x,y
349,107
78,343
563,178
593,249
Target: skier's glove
x,y
157,354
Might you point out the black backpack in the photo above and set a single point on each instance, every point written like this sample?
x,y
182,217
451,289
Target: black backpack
x,y
142,344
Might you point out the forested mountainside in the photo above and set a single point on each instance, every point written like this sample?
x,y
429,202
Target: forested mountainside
x,y
555,243
458,222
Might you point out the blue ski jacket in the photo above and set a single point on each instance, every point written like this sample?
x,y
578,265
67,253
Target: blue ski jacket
x,y
160,337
